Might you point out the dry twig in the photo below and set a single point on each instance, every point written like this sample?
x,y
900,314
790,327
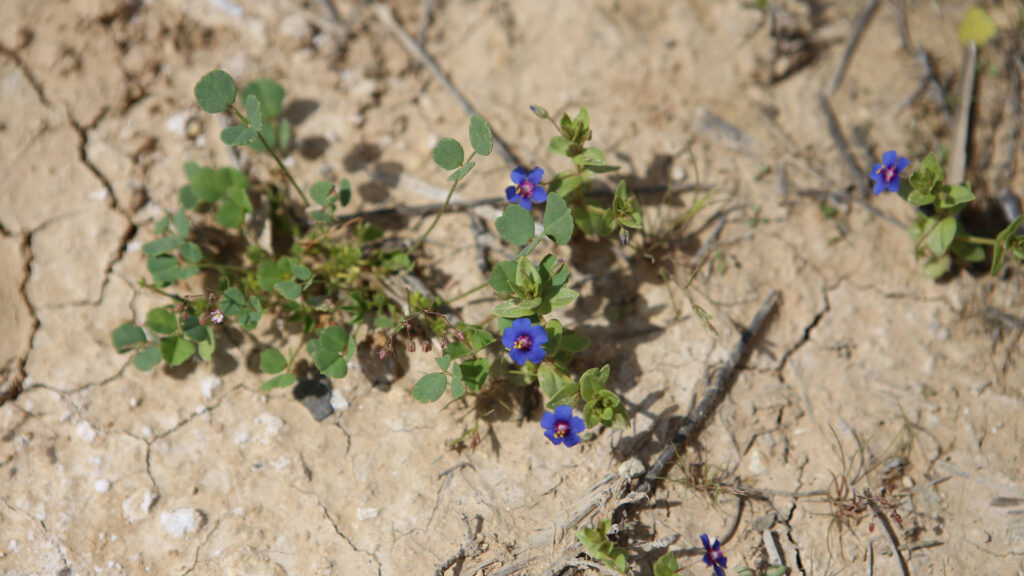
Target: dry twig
x,y
858,30
957,169
855,173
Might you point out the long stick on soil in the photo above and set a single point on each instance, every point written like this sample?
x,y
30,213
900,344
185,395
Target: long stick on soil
x,y
957,169
697,417
386,17
836,132
858,30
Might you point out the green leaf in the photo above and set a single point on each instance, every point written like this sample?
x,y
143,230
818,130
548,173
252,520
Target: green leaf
x,y
191,252
448,154
480,136
253,113
195,331
559,145
666,565
270,273
237,135
269,93
334,339
593,381
147,358
444,361
331,364
968,252
430,387
565,184
187,198
161,321
164,269
320,193
127,337
595,541
502,279
942,236
960,194
474,373
606,408
302,273
272,361
557,220
461,172
206,348
288,289
549,382
345,191
573,342
562,297
565,395
230,214
998,257
176,351
458,390
977,26
516,309
215,92
161,245
938,266
590,156
515,225
279,381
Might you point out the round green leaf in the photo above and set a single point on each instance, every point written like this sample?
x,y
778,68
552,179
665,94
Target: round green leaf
x,y
191,252
272,361
558,220
480,136
279,381
215,92
942,236
147,358
345,191
176,351
334,339
126,337
461,172
331,364
269,93
516,225
320,193
161,245
161,321
237,135
288,289
253,113
430,387
448,154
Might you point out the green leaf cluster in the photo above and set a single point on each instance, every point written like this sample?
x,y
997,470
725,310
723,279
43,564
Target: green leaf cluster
x,y
595,541
176,336
327,197
450,155
172,257
529,290
225,189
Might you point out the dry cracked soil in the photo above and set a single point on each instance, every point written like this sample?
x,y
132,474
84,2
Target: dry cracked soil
x,y
871,390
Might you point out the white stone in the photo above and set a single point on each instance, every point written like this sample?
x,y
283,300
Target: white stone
x,y
273,424
102,485
85,431
181,522
338,402
367,513
757,462
137,506
210,385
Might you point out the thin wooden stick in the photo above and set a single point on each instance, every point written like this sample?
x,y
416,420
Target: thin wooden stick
x,y
890,536
957,169
858,30
855,173
386,17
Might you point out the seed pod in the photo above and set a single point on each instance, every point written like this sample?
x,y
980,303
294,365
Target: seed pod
x,y
427,346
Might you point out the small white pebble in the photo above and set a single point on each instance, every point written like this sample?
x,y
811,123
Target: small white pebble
x,y
102,485
678,174
85,431
210,385
367,513
338,402
98,194
133,402
200,409
147,432
181,522
757,462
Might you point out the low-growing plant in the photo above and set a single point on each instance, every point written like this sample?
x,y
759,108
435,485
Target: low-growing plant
x,y
325,275
939,235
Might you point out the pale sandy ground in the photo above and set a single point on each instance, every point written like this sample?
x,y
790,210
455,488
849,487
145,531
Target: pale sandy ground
x,y
106,470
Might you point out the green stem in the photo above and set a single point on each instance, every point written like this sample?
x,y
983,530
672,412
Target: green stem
x,y
529,247
468,292
273,154
444,207
976,240
222,267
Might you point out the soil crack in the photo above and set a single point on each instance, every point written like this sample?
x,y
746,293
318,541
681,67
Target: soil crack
x,y
348,540
807,332
37,87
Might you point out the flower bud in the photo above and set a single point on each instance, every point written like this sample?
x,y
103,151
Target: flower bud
x,y
539,112
460,335
427,346
410,347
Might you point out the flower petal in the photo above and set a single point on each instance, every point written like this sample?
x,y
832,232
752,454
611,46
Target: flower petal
x,y
551,436
536,354
705,541
879,187
875,175
548,420
577,425
563,413
889,158
525,203
894,186
508,337
538,334
518,175
536,174
510,194
902,164
719,571
540,195
571,440
518,356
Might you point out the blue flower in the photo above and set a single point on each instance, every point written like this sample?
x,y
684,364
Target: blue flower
x,y
713,556
525,341
887,174
527,188
561,427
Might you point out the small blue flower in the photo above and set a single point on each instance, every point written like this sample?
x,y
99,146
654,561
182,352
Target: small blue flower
x,y
887,174
527,188
561,427
525,341
713,556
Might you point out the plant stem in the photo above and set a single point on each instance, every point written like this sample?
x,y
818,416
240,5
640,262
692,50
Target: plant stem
x,y
223,267
273,154
444,207
529,247
976,240
468,292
